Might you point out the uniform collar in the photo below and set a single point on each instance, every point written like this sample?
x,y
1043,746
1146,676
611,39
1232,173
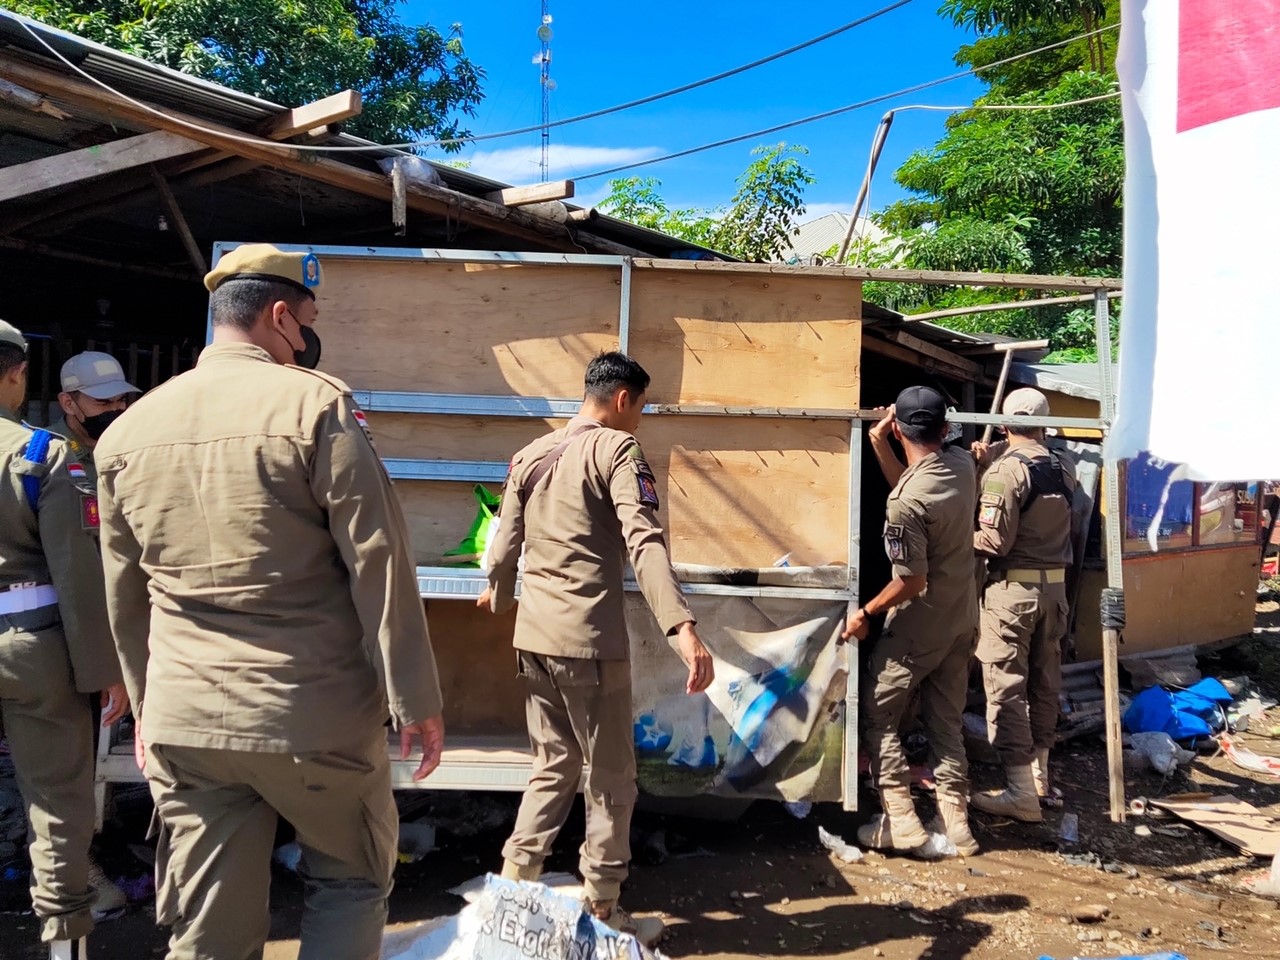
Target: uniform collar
x,y
233,351
7,414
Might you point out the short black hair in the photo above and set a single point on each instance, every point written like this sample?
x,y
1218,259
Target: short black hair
x,y
1032,432
924,436
239,301
610,372
11,356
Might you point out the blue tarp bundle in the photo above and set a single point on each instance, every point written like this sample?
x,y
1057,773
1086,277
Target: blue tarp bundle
x,y
1183,714
1147,956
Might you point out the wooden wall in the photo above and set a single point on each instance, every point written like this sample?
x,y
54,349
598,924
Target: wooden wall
x,y
735,491
1173,599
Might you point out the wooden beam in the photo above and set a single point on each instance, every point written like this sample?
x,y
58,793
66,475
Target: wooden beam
x,y
44,250
311,116
64,169
1012,305
425,198
12,93
1023,281
872,344
536,193
180,221
902,338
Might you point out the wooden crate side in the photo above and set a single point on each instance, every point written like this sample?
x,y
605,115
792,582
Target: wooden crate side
x,y
477,664
734,491
453,437
747,340
437,327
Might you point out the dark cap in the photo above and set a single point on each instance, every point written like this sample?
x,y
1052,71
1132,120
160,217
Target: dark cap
x,y
921,407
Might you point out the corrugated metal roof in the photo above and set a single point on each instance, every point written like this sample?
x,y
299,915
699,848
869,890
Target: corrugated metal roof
x,y
166,87
1074,379
816,237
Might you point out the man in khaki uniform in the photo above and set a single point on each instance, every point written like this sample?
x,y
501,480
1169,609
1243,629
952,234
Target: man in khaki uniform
x,y
94,394
582,501
928,637
1024,531
266,612
55,648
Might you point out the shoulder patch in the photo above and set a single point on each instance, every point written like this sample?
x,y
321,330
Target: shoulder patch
x,y
89,518
994,487
989,516
358,415
894,544
647,485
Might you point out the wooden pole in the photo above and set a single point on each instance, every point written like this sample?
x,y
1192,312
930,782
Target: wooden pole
x,y
999,394
1113,596
180,221
877,144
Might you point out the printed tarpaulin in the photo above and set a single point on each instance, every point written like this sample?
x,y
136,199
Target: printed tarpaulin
x,y
1200,86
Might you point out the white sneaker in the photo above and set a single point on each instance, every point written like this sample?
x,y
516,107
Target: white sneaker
x,y
69,949
109,900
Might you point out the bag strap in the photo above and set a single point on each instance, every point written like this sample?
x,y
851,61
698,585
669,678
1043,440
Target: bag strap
x,y
37,452
1046,478
544,466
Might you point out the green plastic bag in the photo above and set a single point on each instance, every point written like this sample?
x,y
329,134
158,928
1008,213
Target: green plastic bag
x,y
468,552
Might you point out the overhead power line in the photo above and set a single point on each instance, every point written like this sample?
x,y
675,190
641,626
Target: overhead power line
x,y
827,114
455,141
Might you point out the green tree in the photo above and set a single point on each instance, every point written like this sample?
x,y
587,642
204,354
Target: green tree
x,y
415,80
1024,191
754,226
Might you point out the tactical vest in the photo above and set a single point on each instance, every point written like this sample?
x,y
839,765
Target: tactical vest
x,y
1047,479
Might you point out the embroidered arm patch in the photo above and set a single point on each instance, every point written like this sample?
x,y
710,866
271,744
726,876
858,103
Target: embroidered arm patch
x,y
894,544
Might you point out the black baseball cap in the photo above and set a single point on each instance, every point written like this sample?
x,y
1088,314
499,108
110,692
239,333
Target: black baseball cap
x,y
921,407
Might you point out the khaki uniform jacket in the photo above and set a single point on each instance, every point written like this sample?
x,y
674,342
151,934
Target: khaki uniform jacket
x,y
259,580
57,546
80,451
1040,537
596,507
929,533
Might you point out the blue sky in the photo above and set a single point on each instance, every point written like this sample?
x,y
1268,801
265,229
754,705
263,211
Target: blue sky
x,y
609,52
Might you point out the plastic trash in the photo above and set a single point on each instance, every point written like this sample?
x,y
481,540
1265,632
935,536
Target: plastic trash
x,y
842,851
1163,955
1161,752
936,847
416,841
416,170
1070,829
799,808
289,856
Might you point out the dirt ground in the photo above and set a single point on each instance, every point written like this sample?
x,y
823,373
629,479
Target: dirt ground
x,y
764,887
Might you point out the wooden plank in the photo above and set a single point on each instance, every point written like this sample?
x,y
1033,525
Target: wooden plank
x,y
64,169
425,198
180,223
1012,305
1024,281
874,345
747,340
452,437
734,492
932,350
45,250
535,193
442,327
333,109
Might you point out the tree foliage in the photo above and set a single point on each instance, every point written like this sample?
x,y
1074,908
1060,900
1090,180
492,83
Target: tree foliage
x,y
415,80
1021,191
755,226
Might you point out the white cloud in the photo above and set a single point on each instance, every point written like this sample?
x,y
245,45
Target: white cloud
x,y
519,165
815,210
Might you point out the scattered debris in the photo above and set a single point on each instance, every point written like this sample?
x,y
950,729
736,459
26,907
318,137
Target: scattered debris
x,y
1090,913
1069,831
839,848
1246,759
799,809
416,841
936,847
1160,751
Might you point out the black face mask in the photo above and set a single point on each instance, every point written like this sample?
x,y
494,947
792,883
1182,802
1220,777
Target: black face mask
x,y
96,425
309,356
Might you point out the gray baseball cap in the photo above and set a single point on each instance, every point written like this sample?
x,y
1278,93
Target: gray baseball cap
x,y
97,374
11,335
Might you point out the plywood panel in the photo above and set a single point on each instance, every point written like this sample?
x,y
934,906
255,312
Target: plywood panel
x,y
1175,599
477,663
734,492
747,340
466,328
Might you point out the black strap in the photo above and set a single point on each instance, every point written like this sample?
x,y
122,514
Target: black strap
x,y
547,462
1047,478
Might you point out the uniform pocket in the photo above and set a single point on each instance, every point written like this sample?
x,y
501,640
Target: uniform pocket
x,y
1009,615
168,908
574,671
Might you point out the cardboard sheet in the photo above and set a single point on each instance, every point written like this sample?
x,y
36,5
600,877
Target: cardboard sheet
x,y
1240,824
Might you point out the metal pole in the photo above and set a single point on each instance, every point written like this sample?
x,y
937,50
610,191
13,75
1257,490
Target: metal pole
x,y
1113,596
877,144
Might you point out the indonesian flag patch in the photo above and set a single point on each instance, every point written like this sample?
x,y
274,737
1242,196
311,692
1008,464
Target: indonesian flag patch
x,y
76,471
360,418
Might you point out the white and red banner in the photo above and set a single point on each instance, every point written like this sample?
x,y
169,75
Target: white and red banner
x,y
1200,81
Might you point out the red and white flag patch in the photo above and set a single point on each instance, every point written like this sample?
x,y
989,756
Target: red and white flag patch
x,y
76,471
360,418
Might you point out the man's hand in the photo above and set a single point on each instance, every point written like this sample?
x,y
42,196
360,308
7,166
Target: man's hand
x,y
483,602
701,669
858,627
981,451
884,428
431,733
115,703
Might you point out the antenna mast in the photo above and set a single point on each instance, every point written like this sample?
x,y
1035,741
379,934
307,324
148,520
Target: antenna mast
x,y
543,59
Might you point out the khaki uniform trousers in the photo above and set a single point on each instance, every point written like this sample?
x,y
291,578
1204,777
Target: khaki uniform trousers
x,y
1020,649
579,712
216,814
903,662
50,734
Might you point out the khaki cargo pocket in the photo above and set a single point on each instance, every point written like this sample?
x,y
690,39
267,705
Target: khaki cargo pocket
x,y
574,671
1008,619
168,906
